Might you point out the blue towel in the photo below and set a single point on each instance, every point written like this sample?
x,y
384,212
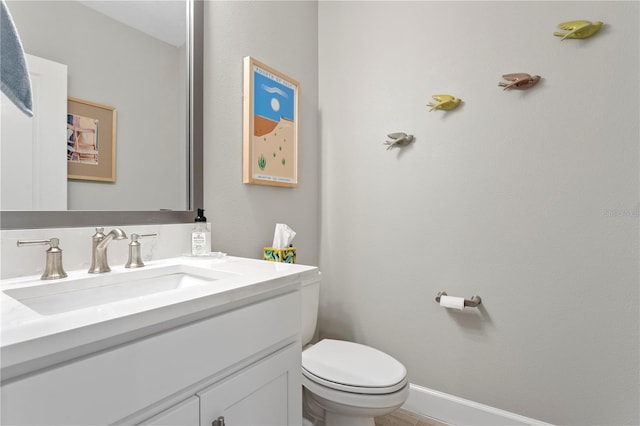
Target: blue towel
x,y
14,75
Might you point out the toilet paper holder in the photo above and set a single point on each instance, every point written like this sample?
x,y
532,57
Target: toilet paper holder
x,y
468,303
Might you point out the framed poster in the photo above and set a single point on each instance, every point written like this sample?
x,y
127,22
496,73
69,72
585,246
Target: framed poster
x,y
91,141
270,126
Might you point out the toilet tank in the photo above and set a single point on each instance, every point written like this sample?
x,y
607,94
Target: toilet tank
x,y
310,301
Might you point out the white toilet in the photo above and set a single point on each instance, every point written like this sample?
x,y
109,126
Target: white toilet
x,y
345,383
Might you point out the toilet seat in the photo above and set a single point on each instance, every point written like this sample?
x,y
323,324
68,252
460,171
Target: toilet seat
x,y
352,367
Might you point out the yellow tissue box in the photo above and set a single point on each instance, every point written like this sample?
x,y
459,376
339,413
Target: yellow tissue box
x,y
286,255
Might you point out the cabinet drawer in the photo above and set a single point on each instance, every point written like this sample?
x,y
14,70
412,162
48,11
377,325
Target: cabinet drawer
x,y
113,384
186,413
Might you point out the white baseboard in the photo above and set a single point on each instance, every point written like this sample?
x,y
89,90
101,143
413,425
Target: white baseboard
x,y
461,412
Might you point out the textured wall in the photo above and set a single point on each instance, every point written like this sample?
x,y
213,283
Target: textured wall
x,y
529,199
282,35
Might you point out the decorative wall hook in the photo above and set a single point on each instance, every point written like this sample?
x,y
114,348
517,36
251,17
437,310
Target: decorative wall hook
x,y
445,102
398,139
578,29
519,81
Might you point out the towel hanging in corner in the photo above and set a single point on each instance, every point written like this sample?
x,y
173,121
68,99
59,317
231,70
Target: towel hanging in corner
x,y
14,75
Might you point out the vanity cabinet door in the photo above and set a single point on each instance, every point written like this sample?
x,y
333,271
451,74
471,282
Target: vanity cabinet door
x,y
186,413
266,393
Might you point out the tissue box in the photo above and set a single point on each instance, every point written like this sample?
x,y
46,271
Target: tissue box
x,y
286,255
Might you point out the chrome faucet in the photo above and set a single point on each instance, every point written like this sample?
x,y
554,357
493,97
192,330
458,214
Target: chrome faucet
x,y
100,242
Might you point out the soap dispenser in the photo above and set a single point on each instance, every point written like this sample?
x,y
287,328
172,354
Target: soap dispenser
x,y
200,236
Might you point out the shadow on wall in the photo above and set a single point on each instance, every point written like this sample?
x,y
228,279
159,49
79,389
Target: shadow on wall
x,y
473,319
342,329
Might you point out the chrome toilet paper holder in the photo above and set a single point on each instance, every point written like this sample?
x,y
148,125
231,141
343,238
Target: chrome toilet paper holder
x,y
474,301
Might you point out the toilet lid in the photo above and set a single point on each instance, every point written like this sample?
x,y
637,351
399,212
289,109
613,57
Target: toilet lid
x,y
347,365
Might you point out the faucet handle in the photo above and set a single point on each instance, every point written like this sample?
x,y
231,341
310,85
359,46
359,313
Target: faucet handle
x,y
53,269
135,258
99,233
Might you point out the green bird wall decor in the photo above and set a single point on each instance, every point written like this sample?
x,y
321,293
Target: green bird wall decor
x,y
578,29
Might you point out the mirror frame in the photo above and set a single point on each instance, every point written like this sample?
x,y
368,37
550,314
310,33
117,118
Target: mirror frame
x,y
79,218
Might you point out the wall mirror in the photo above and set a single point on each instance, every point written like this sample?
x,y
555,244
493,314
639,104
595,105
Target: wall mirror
x,y
144,60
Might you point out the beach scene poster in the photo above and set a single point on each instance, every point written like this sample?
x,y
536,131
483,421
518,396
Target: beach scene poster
x,y
270,134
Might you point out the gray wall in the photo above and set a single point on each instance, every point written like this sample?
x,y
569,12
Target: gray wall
x,y
529,199
282,35
143,78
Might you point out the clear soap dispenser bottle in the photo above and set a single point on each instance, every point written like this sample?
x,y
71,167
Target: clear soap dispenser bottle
x,y
200,236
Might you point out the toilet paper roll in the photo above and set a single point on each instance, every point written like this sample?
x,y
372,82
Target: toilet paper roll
x,y
452,302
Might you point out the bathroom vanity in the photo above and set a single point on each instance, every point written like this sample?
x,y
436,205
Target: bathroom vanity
x,y
181,341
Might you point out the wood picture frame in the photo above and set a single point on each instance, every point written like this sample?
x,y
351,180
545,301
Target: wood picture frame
x,y
270,126
91,141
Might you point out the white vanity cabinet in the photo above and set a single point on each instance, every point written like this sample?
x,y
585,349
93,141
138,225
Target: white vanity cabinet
x,y
243,364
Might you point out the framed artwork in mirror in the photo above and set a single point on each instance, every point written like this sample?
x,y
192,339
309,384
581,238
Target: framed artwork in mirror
x,y
91,141
270,126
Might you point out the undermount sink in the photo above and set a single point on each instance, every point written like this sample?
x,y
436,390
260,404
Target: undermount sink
x,y
72,294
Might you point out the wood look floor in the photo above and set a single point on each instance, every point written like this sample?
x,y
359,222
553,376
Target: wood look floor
x,y
407,418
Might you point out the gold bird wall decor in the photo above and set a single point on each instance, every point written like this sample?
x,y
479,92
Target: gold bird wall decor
x,y
444,102
578,29
519,81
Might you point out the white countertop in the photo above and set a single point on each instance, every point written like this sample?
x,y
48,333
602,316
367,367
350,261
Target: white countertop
x,y
30,341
